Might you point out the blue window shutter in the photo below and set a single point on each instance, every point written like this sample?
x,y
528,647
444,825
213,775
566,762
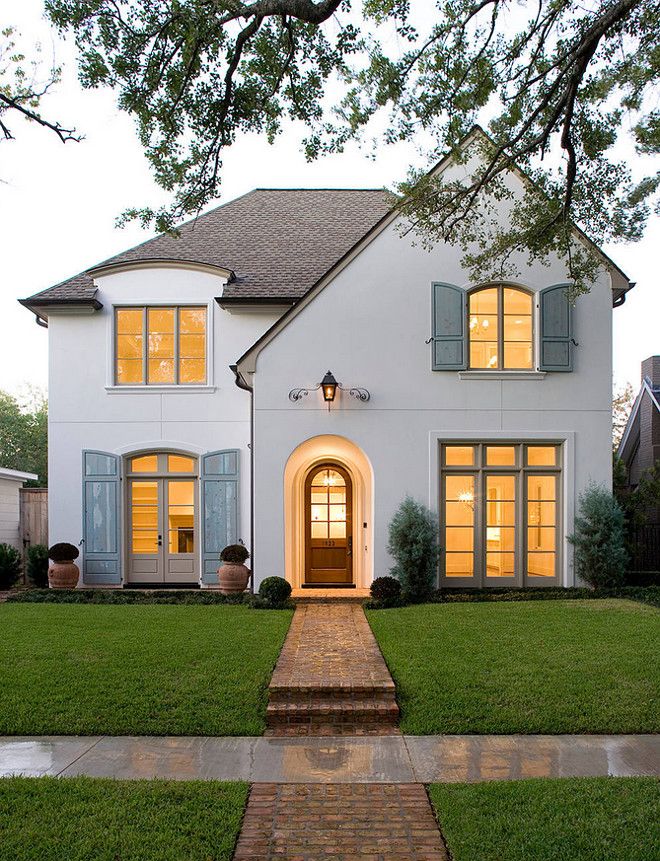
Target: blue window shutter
x,y
449,338
219,520
101,492
556,318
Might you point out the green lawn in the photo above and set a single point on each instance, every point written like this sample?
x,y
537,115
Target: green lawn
x,y
573,819
81,818
528,667
136,670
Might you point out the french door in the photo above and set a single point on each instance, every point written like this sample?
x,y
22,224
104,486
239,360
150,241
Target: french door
x,y
162,524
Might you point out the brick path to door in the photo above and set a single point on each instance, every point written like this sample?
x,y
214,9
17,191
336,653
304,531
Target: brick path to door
x,y
332,680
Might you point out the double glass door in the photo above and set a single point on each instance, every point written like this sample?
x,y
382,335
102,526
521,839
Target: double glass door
x,y
162,524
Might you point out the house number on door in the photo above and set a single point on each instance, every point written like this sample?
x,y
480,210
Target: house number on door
x,y
329,543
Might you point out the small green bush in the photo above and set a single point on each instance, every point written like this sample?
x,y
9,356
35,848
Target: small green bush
x,y
386,591
10,566
599,539
413,544
37,565
275,591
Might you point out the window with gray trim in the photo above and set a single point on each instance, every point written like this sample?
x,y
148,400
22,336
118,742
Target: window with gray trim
x,y
500,513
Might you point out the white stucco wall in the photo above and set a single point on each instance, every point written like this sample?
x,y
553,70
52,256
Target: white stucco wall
x,y
88,412
369,327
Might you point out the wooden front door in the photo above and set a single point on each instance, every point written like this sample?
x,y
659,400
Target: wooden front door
x,y
328,526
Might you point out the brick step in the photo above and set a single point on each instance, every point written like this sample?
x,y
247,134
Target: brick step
x,y
332,712
315,693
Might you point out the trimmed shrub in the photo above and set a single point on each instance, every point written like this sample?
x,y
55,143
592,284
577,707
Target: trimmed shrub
x,y
599,539
124,596
37,565
386,591
10,566
238,554
413,543
275,591
63,552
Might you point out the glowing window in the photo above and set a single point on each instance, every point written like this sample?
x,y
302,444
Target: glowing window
x,y
160,346
500,328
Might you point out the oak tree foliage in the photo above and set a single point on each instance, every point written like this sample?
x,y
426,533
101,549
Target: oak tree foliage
x,y
561,86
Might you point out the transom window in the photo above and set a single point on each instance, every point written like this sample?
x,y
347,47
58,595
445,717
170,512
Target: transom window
x,y
500,328
500,513
160,346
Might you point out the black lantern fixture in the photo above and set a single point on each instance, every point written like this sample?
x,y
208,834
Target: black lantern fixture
x,y
329,387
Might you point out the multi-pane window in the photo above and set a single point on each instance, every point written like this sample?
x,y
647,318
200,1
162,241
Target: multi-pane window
x,y
500,512
500,328
160,346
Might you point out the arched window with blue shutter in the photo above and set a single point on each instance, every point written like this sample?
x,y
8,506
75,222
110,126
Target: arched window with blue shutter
x,y
448,339
556,319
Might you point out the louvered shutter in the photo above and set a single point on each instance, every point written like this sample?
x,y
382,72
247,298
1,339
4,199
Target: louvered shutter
x,y
219,478
449,340
556,319
101,492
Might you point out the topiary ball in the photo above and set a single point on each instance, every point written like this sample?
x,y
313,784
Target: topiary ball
x,y
63,552
237,554
275,590
386,590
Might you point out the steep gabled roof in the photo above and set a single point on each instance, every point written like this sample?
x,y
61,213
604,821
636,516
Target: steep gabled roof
x,y
630,438
275,243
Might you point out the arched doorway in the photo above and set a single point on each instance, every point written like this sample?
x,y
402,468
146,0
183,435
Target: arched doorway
x,y
328,526
308,459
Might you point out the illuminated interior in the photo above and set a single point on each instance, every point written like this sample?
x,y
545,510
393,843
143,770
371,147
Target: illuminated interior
x,y
500,328
328,505
500,509
160,346
162,507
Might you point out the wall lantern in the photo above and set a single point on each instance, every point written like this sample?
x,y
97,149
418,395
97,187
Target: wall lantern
x,y
329,386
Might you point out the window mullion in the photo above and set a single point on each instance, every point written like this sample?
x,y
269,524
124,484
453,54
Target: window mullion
x,y
500,327
176,345
145,346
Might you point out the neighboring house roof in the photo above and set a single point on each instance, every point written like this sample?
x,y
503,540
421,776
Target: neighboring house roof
x,y
630,438
274,243
15,475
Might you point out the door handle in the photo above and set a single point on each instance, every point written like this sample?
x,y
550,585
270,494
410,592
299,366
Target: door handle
x,y
350,546
160,540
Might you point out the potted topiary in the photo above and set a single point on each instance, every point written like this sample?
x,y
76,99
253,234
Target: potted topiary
x,y
63,572
233,575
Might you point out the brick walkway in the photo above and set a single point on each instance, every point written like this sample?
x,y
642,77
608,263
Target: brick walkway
x,y
346,822
331,678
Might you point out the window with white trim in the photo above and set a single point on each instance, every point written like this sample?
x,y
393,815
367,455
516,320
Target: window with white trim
x,y
500,513
160,345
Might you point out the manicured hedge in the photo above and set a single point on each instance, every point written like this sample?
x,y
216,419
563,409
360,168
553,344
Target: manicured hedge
x,y
645,594
123,596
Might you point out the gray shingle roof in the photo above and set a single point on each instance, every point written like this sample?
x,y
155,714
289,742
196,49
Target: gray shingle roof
x,y
278,242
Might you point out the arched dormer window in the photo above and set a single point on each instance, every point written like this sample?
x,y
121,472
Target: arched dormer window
x,y
500,328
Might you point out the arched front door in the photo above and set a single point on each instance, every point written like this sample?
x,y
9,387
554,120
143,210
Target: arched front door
x,y
328,526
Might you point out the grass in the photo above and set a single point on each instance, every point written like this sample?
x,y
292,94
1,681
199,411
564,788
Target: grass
x,y
570,819
136,670
526,667
83,818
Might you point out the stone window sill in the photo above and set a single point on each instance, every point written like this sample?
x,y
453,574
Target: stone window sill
x,y
158,390
501,375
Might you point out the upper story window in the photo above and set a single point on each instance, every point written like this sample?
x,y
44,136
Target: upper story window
x,y
500,328
160,345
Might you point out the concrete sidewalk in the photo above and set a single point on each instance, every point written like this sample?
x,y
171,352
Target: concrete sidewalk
x,y
387,759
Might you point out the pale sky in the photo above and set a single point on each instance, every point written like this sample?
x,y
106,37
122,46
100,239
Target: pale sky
x,y
58,204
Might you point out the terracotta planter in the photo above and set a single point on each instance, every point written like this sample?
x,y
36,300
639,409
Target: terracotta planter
x,y
233,578
63,575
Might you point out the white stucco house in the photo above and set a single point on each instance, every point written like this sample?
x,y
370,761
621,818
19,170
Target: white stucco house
x,y
186,410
